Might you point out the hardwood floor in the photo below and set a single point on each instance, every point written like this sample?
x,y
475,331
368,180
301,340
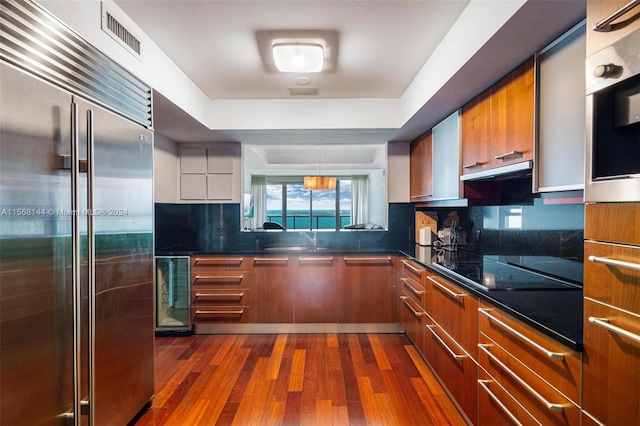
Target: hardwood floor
x,y
295,379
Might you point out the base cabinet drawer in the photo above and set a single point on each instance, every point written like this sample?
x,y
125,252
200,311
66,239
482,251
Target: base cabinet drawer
x,y
455,368
554,362
541,400
413,320
611,364
497,407
220,314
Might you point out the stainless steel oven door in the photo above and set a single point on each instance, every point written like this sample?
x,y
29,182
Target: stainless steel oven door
x,y
613,122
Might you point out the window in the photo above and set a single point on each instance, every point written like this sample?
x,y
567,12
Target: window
x,y
304,209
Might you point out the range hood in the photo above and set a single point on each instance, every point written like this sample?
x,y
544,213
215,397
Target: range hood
x,y
512,171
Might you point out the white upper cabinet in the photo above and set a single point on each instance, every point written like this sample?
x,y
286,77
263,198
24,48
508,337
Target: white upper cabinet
x,y
561,139
446,158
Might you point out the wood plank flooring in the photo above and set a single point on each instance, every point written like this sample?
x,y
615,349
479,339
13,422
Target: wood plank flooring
x,y
295,379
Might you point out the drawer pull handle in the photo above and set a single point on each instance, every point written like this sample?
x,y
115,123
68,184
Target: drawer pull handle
x,y
604,323
270,259
446,289
238,312
315,259
442,342
413,311
605,25
421,196
472,165
552,407
614,262
223,261
413,268
507,154
367,259
485,386
219,277
412,288
550,354
239,295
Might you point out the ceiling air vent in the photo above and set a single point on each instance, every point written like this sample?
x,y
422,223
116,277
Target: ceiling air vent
x,y
303,91
120,33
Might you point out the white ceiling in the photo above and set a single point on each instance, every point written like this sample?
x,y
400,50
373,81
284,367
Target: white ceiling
x,y
383,46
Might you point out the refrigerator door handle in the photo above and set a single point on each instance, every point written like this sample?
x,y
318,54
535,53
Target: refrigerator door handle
x,y
76,270
91,244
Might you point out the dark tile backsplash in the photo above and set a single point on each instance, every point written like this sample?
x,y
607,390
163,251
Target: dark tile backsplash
x,y
211,228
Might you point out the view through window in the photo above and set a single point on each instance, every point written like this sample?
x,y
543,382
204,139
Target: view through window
x,y
305,209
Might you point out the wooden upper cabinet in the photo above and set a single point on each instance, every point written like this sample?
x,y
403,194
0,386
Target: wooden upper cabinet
x,y
500,123
512,117
476,134
421,169
597,10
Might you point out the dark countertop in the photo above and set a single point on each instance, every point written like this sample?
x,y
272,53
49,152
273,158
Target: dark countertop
x,y
556,313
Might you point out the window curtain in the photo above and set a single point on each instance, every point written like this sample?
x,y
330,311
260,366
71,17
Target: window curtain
x,y
359,199
259,192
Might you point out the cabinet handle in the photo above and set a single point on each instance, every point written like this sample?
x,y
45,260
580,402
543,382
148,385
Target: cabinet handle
x,y
270,259
412,288
416,313
550,354
444,345
615,262
605,25
446,289
507,154
238,312
239,295
218,277
413,268
315,259
552,407
485,386
372,259
472,165
604,323
421,196
222,261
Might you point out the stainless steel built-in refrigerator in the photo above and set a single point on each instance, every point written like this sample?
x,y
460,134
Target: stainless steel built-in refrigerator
x,y
76,256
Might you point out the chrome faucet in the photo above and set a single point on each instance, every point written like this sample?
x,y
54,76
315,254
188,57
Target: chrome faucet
x,y
311,239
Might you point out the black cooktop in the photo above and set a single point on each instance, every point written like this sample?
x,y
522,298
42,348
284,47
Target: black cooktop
x,y
496,272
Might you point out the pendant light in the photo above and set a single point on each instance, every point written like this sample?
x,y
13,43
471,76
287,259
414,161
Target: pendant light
x,y
319,182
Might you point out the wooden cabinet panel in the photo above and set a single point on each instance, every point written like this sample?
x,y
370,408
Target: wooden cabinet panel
x,y
611,366
411,282
273,282
457,371
614,284
220,289
512,116
554,362
613,222
421,168
476,134
539,398
315,291
366,289
497,407
455,310
597,10
413,319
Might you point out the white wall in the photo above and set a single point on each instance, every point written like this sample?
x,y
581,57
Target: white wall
x,y
165,170
398,172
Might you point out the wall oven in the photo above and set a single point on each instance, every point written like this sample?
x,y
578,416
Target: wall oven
x,y
613,122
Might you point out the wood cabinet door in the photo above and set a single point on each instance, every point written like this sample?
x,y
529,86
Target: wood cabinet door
x,y
597,10
512,117
611,364
272,293
476,134
366,289
420,168
315,291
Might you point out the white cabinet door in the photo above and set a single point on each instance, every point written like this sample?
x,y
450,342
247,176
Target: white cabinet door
x,y
446,158
561,113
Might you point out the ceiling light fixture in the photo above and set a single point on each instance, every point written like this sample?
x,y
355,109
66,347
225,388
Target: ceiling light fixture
x,y
319,182
298,57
